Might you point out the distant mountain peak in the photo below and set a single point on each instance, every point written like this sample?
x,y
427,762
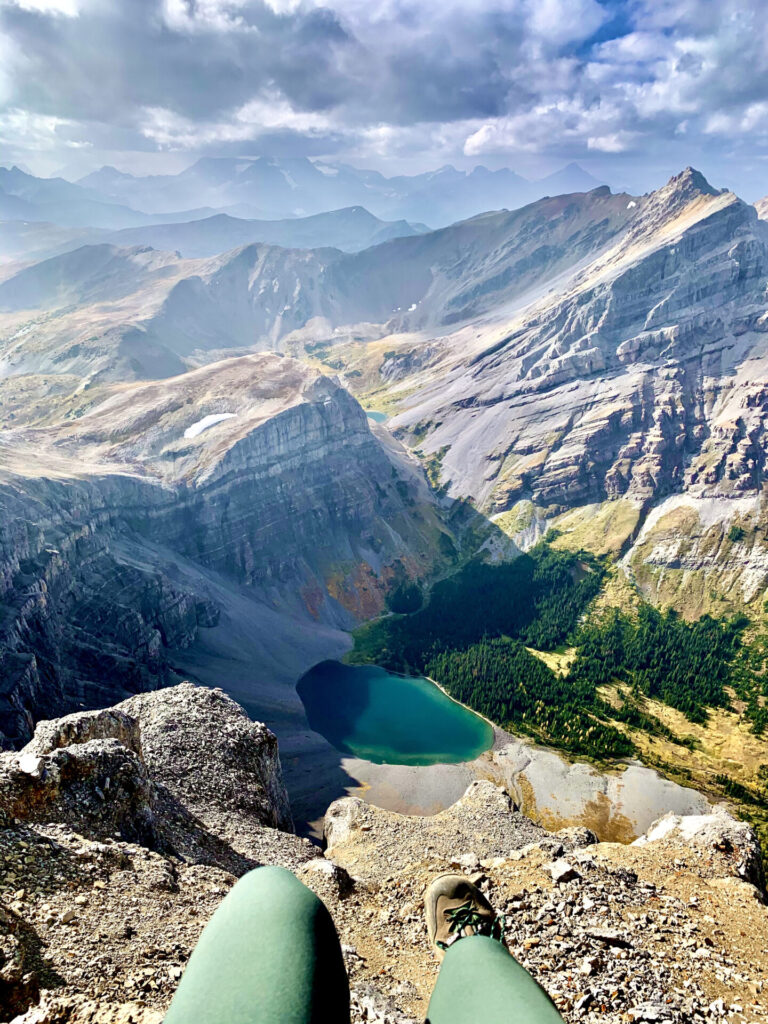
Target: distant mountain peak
x,y
571,178
104,177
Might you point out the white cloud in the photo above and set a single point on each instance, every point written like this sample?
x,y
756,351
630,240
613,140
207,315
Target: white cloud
x,y
558,22
68,8
204,15
22,129
396,79
268,112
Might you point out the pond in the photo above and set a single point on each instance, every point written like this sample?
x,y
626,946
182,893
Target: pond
x,y
370,713
377,417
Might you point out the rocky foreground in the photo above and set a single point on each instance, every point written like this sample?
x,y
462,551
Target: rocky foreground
x,y
121,831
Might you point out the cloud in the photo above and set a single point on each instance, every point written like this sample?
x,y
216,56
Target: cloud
x,y
389,79
67,8
267,112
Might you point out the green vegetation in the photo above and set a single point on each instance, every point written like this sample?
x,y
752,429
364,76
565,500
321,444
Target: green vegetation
x,y
751,680
405,598
472,639
537,599
503,681
684,664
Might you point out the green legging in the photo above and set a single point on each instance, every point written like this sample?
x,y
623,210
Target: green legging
x,y
270,955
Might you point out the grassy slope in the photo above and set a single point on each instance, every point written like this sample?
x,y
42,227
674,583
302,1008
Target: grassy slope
x,y
725,745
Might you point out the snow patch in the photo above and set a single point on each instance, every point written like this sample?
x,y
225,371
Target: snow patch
x,y
631,204
207,421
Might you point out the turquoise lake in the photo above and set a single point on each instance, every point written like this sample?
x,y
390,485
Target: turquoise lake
x,y
368,712
377,417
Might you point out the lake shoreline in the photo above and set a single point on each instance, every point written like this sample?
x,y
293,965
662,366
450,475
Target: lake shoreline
x,y
389,718
496,728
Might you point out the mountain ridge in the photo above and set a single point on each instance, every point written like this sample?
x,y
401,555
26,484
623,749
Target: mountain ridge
x,y
271,295
302,186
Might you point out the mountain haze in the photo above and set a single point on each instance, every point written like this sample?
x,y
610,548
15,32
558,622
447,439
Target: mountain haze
x,y
350,229
266,296
270,188
583,349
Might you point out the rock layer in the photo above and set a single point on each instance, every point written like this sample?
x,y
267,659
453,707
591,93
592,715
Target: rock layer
x,y
292,497
638,376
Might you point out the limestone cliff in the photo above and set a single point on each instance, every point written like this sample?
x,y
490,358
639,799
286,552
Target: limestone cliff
x,y
120,524
639,375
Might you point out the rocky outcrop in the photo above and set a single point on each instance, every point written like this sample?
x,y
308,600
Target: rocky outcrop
x,y
183,771
120,830
666,929
485,818
204,750
717,830
638,375
104,572
123,829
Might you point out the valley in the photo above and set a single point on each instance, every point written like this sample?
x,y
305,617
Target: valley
x,y
383,512
193,491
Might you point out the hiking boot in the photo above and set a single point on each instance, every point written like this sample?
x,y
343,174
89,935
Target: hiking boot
x,y
455,909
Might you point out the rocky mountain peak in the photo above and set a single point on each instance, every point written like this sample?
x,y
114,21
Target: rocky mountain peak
x,y
690,182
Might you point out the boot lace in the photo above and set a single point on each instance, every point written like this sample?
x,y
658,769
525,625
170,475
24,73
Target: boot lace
x,y
465,917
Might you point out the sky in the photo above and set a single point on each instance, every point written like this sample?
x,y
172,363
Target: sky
x,y
633,90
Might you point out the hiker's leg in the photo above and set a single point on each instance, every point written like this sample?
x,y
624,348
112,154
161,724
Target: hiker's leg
x,y
269,955
480,983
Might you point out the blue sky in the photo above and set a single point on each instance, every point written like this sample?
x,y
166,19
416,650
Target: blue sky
x,y
632,89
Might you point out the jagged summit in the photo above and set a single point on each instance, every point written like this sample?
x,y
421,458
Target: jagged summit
x,y
581,369
690,182
690,178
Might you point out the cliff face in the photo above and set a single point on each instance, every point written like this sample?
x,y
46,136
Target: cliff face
x,y
638,376
635,374
81,625
105,549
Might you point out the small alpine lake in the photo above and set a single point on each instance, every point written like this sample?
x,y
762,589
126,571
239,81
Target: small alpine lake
x,y
368,712
377,417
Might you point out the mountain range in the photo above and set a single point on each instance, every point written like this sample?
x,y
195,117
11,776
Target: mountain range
x,y
269,189
108,308
348,229
191,486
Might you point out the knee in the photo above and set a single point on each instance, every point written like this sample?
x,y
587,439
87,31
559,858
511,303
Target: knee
x,y
269,877
273,887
